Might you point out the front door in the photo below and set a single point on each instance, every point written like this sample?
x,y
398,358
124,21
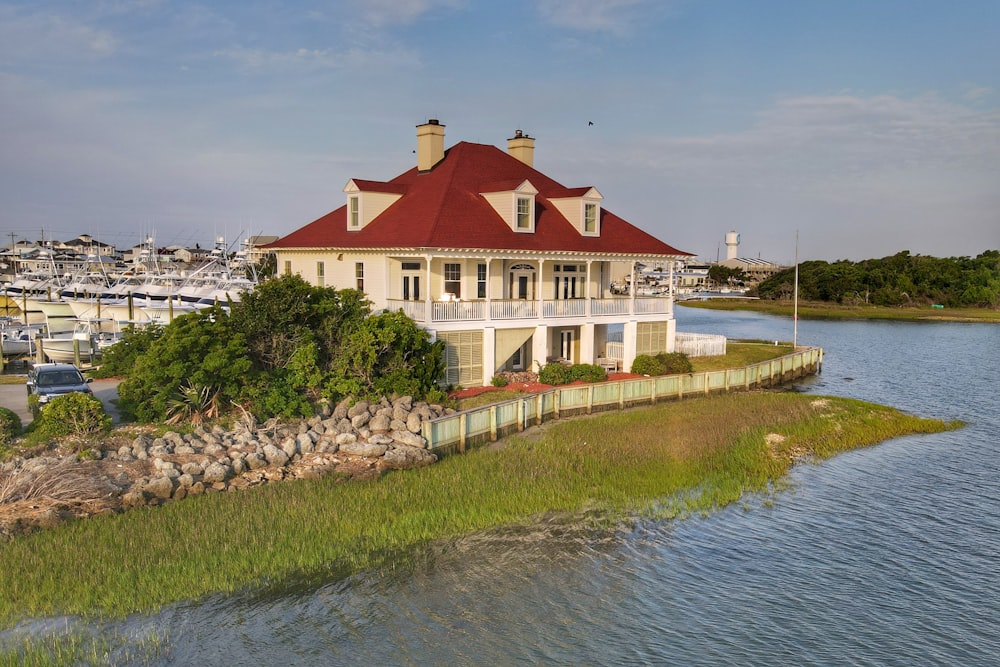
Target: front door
x,y
522,282
411,281
566,345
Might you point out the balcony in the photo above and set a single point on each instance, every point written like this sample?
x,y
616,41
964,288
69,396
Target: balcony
x,y
506,310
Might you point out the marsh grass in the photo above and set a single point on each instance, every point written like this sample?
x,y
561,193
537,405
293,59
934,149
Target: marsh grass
x,y
82,647
666,460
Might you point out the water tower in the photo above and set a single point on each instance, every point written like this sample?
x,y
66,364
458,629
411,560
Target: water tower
x,y
732,245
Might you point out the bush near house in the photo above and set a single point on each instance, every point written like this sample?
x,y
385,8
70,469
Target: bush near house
x,y
662,364
75,413
557,373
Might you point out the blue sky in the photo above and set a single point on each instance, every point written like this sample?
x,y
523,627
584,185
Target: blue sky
x,y
869,127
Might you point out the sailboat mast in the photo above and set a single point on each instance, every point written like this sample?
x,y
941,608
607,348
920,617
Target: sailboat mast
x,y
795,308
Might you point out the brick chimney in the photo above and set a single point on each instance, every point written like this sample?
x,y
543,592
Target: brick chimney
x,y
430,144
522,147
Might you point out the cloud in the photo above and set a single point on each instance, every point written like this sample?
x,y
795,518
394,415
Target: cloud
x,y
49,37
862,176
381,13
612,16
304,59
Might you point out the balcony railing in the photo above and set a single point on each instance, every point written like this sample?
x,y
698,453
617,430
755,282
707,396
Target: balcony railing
x,y
519,309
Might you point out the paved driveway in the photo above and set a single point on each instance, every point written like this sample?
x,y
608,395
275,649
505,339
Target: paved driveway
x,y
15,397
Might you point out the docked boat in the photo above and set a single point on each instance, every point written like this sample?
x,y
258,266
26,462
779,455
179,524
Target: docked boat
x,y
89,337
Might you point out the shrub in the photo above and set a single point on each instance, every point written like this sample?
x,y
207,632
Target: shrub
x,y
646,364
587,373
72,414
675,362
10,426
119,359
498,381
662,364
554,374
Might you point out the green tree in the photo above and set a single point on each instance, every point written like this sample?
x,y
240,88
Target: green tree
x,y
201,350
387,353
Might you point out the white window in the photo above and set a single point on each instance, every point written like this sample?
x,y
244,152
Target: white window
x,y
354,212
524,213
359,274
480,281
288,267
320,274
590,218
453,280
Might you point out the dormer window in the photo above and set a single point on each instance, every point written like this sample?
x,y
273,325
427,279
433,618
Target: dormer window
x,y
367,200
581,207
354,212
589,218
524,213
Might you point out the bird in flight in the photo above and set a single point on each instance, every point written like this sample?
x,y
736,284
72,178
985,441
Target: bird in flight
x,y
590,122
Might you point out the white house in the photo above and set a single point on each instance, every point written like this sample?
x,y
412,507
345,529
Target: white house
x,y
511,269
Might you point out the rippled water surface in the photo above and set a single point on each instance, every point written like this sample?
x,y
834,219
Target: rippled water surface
x,y
885,556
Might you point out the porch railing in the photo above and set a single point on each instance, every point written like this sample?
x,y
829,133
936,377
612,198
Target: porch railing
x,y
520,309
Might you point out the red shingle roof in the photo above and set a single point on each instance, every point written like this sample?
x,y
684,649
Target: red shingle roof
x,y
443,208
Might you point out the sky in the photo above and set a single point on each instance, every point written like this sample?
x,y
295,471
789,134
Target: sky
x,y
861,128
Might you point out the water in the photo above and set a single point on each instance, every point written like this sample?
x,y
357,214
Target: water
x,y
884,556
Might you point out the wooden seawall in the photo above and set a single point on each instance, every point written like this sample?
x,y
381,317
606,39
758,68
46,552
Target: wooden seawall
x,y
455,432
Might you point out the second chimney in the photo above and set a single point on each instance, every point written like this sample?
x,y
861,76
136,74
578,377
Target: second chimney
x,y
430,144
522,147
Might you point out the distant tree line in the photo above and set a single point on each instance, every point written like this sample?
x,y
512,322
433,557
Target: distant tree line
x,y
900,280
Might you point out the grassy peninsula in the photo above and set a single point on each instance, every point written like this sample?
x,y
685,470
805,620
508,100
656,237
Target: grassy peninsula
x,y
664,461
824,310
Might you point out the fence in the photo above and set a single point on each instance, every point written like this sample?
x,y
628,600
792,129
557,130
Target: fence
x,y
699,345
457,431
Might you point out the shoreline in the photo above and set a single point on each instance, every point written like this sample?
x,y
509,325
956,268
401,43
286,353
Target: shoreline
x,y
627,469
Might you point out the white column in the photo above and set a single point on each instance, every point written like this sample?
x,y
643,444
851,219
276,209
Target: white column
x,y
539,347
587,355
540,285
670,306
489,290
586,293
489,355
628,344
429,299
632,282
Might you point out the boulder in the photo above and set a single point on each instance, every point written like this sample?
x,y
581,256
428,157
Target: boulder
x,y
159,487
345,439
364,449
275,456
408,439
359,408
379,423
403,457
216,472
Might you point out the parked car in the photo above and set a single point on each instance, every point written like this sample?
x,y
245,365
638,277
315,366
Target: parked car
x,y
46,381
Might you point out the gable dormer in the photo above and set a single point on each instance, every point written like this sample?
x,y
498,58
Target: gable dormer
x,y
582,207
514,201
366,200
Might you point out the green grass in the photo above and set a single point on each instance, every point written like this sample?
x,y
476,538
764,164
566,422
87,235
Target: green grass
x,y
665,461
741,354
12,379
833,311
